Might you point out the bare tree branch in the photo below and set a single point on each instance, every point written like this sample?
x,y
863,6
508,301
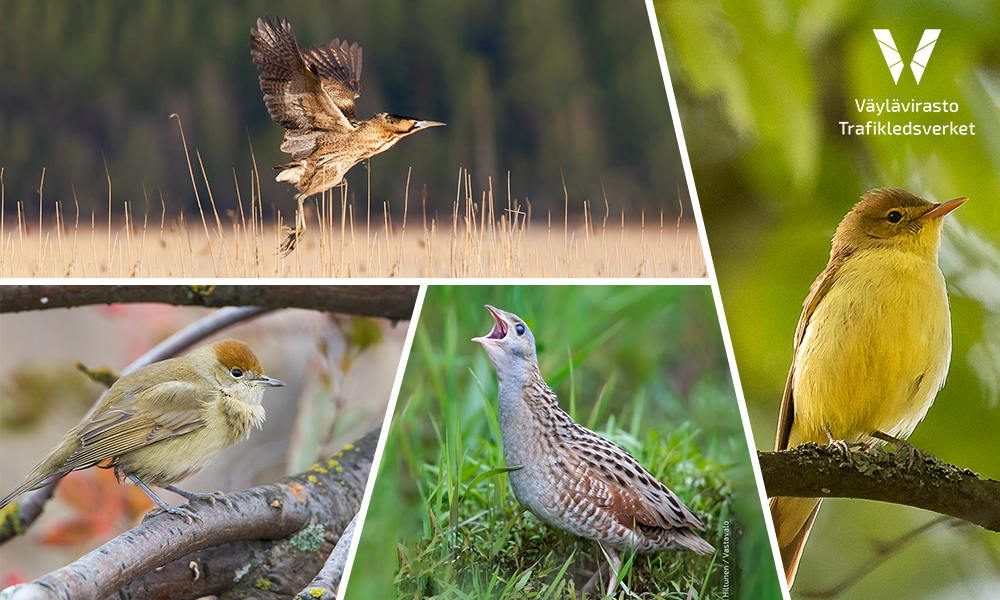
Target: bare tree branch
x,y
388,301
883,550
326,583
19,515
225,554
812,471
195,333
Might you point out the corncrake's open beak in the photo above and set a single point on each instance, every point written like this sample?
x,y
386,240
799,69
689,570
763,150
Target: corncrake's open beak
x,y
499,330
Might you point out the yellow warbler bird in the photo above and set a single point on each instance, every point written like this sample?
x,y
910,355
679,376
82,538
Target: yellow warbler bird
x,y
873,343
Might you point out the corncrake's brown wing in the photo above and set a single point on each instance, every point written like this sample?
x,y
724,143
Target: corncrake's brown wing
x,y
339,68
616,480
293,91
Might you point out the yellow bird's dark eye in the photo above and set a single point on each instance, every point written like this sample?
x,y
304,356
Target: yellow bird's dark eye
x,y
236,372
519,329
894,216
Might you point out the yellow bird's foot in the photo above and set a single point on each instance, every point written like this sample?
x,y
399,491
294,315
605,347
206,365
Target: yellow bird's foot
x,y
903,447
843,447
912,454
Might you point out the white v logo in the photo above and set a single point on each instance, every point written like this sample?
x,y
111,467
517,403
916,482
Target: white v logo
x,y
920,57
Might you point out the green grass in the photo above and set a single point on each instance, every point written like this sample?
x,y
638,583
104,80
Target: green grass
x,y
641,365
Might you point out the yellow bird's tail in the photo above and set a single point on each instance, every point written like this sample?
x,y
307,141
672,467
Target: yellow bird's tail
x,y
793,518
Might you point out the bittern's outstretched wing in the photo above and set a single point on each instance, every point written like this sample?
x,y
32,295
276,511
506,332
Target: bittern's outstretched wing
x,y
339,68
294,92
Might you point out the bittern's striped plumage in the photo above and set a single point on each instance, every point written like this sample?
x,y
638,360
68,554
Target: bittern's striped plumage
x,y
311,94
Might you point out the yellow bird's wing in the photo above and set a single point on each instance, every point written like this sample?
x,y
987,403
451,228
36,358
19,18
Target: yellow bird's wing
x,y
818,291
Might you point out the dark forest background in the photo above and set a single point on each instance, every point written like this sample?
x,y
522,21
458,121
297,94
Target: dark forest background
x,y
545,91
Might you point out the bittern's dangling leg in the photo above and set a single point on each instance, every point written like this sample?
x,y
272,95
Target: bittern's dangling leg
x,y
300,228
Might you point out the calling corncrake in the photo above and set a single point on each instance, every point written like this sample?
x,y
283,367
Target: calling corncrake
x,y
570,477
162,423
873,343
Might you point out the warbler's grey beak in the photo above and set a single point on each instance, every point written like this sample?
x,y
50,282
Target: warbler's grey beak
x,y
269,381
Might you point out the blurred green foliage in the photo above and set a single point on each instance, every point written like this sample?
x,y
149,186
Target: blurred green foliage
x,y
544,91
645,364
762,88
26,398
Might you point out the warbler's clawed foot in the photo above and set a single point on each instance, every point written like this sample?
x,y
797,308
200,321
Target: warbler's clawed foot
x,y
187,514
903,447
912,454
195,496
843,447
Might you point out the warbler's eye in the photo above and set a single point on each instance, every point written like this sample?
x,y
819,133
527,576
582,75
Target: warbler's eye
x,y
236,372
894,216
519,329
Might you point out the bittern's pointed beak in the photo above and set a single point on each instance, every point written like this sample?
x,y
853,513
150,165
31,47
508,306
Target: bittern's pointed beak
x,y
425,124
499,330
943,208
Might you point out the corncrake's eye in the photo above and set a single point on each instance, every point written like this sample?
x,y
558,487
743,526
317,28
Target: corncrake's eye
x,y
236,372
519,328
894,216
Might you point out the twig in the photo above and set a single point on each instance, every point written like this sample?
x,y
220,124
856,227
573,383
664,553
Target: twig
x,y
387,301
812,471
883,552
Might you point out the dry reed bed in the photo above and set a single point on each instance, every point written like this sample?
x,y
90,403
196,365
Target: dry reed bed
x,y
454,250
480,239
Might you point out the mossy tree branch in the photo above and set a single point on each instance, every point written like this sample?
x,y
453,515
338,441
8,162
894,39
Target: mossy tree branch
x,y
919,480
327,582
269,544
